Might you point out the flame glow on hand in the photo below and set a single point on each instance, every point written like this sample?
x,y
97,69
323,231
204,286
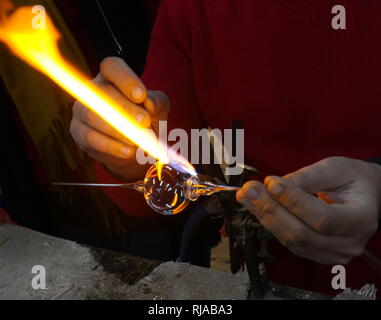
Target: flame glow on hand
x,y
38,47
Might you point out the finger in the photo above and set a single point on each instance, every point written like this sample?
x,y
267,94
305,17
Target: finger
x,y
138,114
287,228
332,250
323,175
91,119
117,72
108,160
90,140
321,217
157,104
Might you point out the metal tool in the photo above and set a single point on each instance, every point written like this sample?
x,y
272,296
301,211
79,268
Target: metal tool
x,y
113,36
115,185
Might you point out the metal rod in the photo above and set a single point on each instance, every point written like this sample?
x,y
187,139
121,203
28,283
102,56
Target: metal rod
x,y
227,188
119,47
138,186
120,185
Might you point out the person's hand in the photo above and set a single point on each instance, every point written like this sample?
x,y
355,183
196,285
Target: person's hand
x,y
325,212
99,139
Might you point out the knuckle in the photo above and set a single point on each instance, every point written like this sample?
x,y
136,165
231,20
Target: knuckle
x,y
107,62
76,105
88,137
111,148
85,115
108,148
106,87
267,207
254,210
248,185
91,118
80,112
73,130
297,238
77,110
138,110
291,200
300,239
336,161
288,241
323,225
327,163
268,180
285,241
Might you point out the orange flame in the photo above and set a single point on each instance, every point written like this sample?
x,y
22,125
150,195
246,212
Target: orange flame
x,y
38,47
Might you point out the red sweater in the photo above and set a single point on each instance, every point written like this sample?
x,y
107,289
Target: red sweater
x,y
303,90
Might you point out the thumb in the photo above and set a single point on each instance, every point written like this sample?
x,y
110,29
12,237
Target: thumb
x,y
158,105
117,72
324,175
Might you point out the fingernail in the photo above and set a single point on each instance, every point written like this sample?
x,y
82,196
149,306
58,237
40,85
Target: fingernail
x,y
269,179
253,194
126,151
276,189
137,93
140,117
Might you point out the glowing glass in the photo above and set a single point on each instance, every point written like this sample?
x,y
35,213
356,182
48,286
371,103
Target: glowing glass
x,y
167,188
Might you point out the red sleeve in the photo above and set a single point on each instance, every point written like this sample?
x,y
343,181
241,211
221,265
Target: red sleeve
x,y
5,218
168,69
169,63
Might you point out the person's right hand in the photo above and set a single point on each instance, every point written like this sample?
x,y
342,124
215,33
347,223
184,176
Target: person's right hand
x,y
98,139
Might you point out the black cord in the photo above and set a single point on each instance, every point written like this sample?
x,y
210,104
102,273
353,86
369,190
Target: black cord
x,y
113,36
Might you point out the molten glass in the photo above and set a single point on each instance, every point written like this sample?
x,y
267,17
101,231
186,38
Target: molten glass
x,y
164,189
167,190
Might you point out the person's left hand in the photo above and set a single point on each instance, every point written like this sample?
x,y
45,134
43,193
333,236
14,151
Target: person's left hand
x,y
325,212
